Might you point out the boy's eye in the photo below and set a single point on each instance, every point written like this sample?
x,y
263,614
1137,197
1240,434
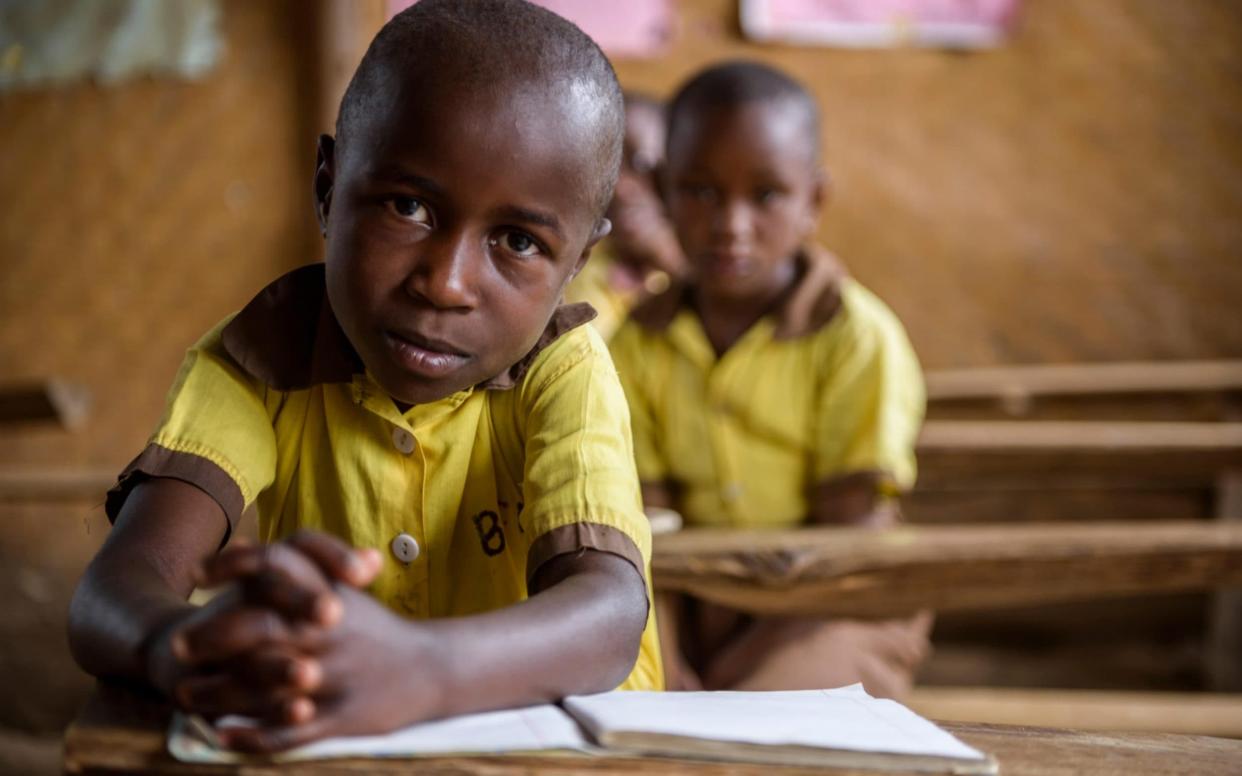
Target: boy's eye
x,y
766,196
699,193
519,243
410,209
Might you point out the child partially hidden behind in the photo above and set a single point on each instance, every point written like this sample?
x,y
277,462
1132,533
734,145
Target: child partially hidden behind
x,y
418,417
771,390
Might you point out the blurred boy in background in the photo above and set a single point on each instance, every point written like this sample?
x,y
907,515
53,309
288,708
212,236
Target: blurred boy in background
x,y
768,389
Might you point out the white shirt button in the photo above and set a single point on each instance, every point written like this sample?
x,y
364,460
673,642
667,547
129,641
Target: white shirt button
x,y
402,440
405,548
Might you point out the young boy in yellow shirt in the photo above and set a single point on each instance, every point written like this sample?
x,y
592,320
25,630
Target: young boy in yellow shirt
x,y
770,390
419,417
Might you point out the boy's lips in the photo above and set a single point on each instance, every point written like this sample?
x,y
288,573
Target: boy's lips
x,y
424,356
728,263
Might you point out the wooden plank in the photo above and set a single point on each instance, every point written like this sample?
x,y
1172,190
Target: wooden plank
x,y
1016,383
54,400
345,29
985,502
1211,714
1018,454
55,484
865,573
120,731
1051,437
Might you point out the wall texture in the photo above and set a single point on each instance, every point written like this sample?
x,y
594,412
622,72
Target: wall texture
x,y
131,220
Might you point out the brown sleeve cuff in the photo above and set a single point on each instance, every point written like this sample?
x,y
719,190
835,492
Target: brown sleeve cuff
x,y
575,538
865,497
157,461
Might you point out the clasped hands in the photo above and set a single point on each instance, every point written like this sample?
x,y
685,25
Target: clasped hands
x,y
295,644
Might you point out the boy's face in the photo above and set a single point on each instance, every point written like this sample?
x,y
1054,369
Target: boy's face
x,y
744,193
453,224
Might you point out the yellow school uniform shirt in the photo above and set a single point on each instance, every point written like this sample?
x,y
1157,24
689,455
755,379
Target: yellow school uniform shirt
x,y
274,407
824,389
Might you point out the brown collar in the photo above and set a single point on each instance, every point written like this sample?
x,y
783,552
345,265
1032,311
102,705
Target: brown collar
x,y
813,303
288,337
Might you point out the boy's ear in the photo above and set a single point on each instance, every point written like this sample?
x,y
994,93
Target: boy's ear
x,y
325,177
821,193
602,228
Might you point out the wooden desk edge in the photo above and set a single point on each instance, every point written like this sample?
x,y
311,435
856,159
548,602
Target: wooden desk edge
x,y
120,731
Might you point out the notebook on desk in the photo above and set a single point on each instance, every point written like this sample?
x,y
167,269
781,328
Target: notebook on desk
x,y
845,727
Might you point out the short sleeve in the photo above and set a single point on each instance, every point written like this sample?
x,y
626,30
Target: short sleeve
x,y
628,355
215,434
580,485
870,399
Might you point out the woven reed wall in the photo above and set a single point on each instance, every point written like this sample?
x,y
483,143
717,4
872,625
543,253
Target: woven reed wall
x,y
131,220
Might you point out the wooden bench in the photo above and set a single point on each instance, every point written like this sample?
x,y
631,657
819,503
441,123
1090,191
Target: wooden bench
x,y
1172,390
121,731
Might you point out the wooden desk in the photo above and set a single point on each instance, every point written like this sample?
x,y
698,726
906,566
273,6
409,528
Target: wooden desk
x,y
864,573
120,731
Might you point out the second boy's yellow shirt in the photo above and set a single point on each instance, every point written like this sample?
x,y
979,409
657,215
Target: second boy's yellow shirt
x,y
466,497
825,388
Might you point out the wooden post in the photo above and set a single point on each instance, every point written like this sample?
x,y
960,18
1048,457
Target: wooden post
x,y
1224,643
346,28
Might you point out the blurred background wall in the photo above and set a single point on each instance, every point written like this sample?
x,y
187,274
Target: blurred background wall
x,y
1074,195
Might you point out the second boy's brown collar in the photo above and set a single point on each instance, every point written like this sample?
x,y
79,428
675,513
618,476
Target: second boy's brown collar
x,y
813,303
288,337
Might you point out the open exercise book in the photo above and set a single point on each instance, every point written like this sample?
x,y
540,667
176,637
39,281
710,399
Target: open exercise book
x,y
845,727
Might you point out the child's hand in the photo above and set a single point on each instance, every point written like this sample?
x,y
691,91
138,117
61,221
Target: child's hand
x,y
244,653
294,576
643,232
374,670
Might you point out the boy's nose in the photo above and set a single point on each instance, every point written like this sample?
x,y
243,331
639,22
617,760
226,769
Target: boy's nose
x,y
445,273
733,219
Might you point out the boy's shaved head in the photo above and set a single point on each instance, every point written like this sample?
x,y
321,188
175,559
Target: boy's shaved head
x,y
732,84
449,49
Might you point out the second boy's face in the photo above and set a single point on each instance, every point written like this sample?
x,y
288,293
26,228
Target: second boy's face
x,y
453,225
744,194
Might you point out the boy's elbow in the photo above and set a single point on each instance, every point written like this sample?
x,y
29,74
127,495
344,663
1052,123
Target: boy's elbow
x,y
622,647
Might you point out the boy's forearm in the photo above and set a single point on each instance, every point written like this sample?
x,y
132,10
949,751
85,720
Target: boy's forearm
x,y
580,635
115,613
139,582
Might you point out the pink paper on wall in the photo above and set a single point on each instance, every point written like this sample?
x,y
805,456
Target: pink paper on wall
x,y
872,23
622,28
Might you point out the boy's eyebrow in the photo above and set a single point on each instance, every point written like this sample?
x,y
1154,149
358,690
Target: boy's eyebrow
x,y
547,220
409,178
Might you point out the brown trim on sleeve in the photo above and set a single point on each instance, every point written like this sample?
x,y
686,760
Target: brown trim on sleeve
x,y
565,318
814,302
844,495
157,461
288,337
576,537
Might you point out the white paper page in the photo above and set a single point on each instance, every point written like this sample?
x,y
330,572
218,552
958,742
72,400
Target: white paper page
x,y
846,718
518,730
